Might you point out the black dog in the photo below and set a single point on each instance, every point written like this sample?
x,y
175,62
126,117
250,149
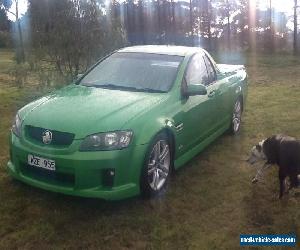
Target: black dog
x,y
283,151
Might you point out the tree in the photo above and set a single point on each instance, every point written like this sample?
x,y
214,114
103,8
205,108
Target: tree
x,y
142,21
295,44
173,21
224,15
202,22
208,22
191,23
4,22
271,30
73,34
6,5
5,38
228,23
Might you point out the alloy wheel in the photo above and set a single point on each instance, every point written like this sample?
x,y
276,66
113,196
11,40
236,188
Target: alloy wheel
x,y
236,117
159,165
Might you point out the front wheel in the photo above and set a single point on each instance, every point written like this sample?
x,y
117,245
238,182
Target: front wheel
x,y
157,167
236,119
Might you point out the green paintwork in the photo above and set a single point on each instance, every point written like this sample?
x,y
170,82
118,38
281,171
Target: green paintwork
x,y
85,110
196,89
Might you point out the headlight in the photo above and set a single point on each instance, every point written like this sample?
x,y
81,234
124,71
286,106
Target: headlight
x,y
106,141
16,127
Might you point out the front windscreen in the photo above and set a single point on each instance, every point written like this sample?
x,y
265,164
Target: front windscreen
x,y
134,72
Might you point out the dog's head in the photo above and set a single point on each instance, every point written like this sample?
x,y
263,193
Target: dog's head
x,y
257,153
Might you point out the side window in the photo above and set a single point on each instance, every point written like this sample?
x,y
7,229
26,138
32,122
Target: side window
x,y
210,69
197,72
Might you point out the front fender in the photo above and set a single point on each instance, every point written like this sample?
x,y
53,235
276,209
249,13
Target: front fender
x,y
151,129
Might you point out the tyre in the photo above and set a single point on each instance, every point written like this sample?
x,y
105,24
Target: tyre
x,y
236,119
157,166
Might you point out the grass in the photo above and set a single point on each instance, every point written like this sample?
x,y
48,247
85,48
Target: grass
x,y
209,202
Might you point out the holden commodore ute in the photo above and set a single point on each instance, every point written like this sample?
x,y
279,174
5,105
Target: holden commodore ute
x,y
122,127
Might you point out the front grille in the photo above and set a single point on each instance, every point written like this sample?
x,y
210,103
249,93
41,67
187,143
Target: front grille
x,y
51,177
58,138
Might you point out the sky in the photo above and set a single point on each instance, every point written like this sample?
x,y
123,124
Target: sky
x,y
22,9
280,5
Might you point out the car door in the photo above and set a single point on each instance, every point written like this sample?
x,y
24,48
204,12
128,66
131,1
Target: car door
x,y
198,110
218,89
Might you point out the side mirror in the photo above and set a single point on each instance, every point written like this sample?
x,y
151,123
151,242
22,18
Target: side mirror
x,y
196,89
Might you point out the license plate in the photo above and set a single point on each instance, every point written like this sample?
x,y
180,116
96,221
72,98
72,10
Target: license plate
x,y
41,162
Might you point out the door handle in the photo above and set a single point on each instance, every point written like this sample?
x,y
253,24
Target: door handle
x,y
212,93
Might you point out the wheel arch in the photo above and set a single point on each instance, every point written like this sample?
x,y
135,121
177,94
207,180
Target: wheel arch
x,y
171,137
172,140
166,132
241,98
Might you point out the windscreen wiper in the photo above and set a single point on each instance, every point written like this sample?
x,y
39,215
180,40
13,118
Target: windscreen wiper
x,y
151,90
119,87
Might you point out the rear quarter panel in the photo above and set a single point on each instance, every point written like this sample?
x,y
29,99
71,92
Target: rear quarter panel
x,y
237,87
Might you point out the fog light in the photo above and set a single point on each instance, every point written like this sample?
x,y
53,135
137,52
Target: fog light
x,y
108,177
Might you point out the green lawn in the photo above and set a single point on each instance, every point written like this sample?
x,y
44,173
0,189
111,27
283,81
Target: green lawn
x,y
209,203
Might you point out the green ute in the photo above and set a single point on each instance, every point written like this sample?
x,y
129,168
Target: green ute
x,y
129,121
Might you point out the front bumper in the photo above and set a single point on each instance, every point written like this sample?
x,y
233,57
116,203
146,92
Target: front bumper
x,y
80,173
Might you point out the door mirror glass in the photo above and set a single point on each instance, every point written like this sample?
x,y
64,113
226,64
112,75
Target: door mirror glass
x,y
196,89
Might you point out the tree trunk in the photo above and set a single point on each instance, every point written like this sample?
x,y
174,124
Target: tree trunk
x,y
208,13
21,54
228,26
173,23
141,21
295,28
159,22
251,33
191,23
271,29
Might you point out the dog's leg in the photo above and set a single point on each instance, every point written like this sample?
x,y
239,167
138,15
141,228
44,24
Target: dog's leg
x,y
259,172
294,180
287,184
281,183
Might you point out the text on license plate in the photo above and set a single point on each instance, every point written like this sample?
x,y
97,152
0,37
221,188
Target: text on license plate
x,y
41,162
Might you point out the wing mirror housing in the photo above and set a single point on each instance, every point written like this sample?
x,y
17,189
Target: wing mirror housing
x,y
196,89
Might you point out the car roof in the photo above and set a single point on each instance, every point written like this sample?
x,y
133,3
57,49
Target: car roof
x,y
163,49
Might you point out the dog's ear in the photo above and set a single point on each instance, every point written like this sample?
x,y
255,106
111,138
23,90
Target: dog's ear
x,y
271,149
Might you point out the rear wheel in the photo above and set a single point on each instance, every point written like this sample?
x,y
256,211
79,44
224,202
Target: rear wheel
x,y
236,119
157,167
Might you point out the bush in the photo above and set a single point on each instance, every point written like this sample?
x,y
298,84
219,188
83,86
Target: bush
x,y
5,39
20,74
